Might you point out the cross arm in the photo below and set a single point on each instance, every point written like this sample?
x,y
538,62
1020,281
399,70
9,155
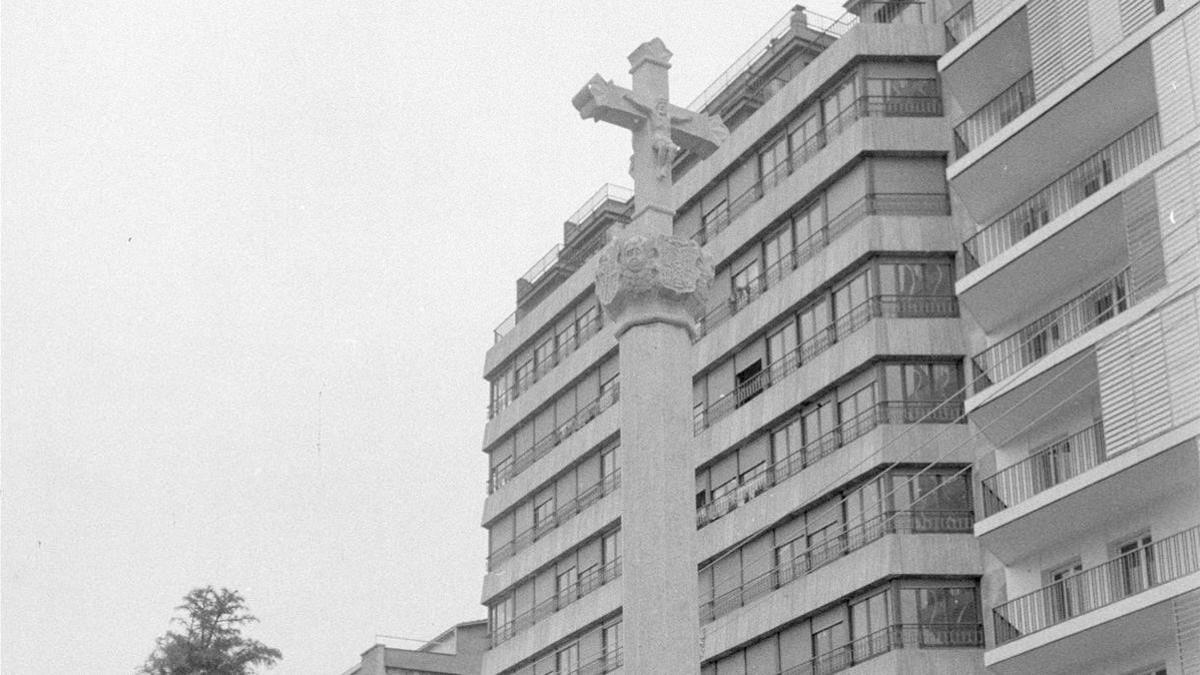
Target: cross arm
x,y
697,132
601,100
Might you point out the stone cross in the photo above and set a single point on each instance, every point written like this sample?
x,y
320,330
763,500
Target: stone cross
x,y
659,128
654,286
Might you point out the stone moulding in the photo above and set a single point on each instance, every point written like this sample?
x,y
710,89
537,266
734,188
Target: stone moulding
x,y
657,278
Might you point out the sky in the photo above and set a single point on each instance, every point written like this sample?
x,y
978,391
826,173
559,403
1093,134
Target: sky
x,y
251,258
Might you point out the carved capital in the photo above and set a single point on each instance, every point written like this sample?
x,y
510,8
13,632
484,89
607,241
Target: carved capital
x,y
643,279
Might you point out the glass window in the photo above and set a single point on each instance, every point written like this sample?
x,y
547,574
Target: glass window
x,y
543,510
786,442
610,640
714,218
947,616
610,547
824,640
502,472
806,139
850,296
814,319
566,585
747,282
608,462
566,661
855,412
780,345
777,252
543,355
869,615
772,162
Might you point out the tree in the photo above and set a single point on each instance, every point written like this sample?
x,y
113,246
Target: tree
x,y
211,642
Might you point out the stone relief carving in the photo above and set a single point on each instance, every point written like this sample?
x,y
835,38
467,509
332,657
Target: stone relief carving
x,y
658,269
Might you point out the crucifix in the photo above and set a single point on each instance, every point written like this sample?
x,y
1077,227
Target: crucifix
x,y
654,286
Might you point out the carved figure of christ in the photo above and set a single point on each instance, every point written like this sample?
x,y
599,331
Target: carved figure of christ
x,y
659,130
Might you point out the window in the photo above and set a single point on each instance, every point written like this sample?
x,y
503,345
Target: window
x,y
921,390
608,463
814,320
1064,591
608,388
543,511
501,389
1054,464
947,616
500,616
810,236
869,621
567,338
818,427
753,482
786,444
904,97
825,640
777,253
543,356
502,472
749,382
849,302
589,319
772,162
747,284
714,219
839,106
1136,565
610,547
524,375
917,288
781,349
610,641
566,661
806,138
855,412
566,586
789,559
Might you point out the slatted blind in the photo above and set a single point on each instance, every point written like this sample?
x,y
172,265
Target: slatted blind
x,y
1177,186
1143,238
1135,13
1181,338
1105,19
1173,82
1060,41
1186,608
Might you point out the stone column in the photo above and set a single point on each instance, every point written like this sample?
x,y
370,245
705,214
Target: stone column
x,y
653,287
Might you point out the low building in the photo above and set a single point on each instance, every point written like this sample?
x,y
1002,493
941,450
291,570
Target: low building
x,y
457,651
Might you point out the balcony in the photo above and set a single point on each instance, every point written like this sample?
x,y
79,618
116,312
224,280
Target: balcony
x,y
591,580
1122,577
1042,337
820,555
887,412
560,515
929,105
501,474
1086,178
1045,468
898,636
960,25
881,306
540,368
894,203
994,115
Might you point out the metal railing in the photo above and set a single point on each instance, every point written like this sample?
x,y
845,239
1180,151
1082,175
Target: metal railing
x,y
1096,587
795,17
884,640
1059,461
960,25
770,475
1053,330
880,306
864,106
592,579
609,395
607,192
994,115
894,203
540,368
562,514
850,540
1114,160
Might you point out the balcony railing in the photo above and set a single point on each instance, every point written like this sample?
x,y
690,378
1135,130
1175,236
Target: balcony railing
x,y
886,412
1044,336
1096,587
865,106
609,395
880,306
892,203
1059,461
1113,161
960,25
607,193
852,539
994,115
589,581
585,331
884,640
794,17
562,514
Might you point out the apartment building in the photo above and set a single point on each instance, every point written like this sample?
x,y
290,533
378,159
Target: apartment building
x,y
836,489
1074,180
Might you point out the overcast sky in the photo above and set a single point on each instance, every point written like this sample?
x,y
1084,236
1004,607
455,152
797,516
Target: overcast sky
x,y
252,257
